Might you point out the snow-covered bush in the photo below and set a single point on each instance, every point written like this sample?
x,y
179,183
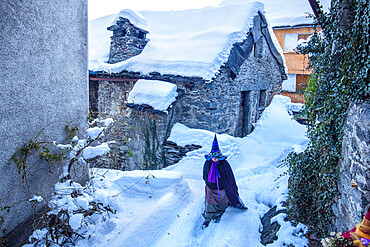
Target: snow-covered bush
x,y
72,206
73,210
336,240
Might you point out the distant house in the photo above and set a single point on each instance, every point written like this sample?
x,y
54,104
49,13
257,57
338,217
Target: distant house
x,y
225,68
291,25
298,71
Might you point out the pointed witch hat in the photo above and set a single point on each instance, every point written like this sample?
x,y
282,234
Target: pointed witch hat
x,y
215,151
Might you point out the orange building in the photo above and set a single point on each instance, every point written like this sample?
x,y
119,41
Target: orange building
x,y
298,72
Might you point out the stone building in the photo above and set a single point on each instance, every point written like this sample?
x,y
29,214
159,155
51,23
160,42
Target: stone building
x,y
43,87
291,26
224,94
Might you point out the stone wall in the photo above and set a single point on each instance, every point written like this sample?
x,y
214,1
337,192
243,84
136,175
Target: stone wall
x,y
123,48
112,96
131,128
43,85
138,140
355,167
222,105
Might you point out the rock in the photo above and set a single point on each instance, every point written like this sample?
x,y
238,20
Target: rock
x,y
174,153
269,230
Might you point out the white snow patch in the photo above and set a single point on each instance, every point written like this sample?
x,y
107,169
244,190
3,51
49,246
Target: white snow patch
x,y
158,94
107,121
93,133
37,234
65,146
75,221
134,17
296,107
92,152
36,199
285,12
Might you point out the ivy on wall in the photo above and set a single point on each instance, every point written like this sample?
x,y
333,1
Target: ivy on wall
x,y
153,156
340,58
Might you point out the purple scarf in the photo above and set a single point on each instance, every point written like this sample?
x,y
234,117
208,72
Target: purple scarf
x,y
213,176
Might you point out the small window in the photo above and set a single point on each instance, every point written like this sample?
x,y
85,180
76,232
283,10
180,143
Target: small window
x,y
120,32
304,36
258,48
290,41
262,98
301,83
141,35
289,85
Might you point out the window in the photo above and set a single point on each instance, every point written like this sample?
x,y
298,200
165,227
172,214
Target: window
x,y
291,40
302,81
141,35
258,48
244,126
304,36
262,98
290,84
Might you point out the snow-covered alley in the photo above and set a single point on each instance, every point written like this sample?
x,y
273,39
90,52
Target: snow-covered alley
x,y
163,207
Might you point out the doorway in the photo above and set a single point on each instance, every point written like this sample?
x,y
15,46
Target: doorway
x,y
244,113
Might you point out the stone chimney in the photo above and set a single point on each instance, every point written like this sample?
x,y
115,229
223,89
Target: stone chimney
x,y
127,41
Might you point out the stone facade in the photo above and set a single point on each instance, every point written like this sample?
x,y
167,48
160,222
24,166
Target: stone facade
x,y
229,105
127,41
43,86
133,130
355,167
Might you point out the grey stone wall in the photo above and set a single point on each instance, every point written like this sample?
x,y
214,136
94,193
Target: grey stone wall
x,y
112,96
123,48
130,127
355,167
217,106
43,85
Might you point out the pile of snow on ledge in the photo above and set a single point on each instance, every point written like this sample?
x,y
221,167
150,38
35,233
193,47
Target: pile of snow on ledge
x,y
158,94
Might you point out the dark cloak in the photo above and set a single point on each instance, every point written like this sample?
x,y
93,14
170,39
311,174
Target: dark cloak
x,y
226,180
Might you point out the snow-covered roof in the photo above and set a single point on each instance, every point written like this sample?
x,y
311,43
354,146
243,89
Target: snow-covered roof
x,y
285,12
189,43
158,94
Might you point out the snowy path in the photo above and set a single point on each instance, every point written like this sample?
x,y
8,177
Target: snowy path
x,y
163,208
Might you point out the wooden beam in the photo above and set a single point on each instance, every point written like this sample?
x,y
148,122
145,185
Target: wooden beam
x,y
315,8
111,79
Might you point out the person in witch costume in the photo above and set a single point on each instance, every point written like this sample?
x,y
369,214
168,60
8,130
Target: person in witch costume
x,y
220,189
360,235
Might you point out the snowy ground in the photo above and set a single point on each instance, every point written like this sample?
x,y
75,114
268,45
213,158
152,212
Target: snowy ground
x,y
163,208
